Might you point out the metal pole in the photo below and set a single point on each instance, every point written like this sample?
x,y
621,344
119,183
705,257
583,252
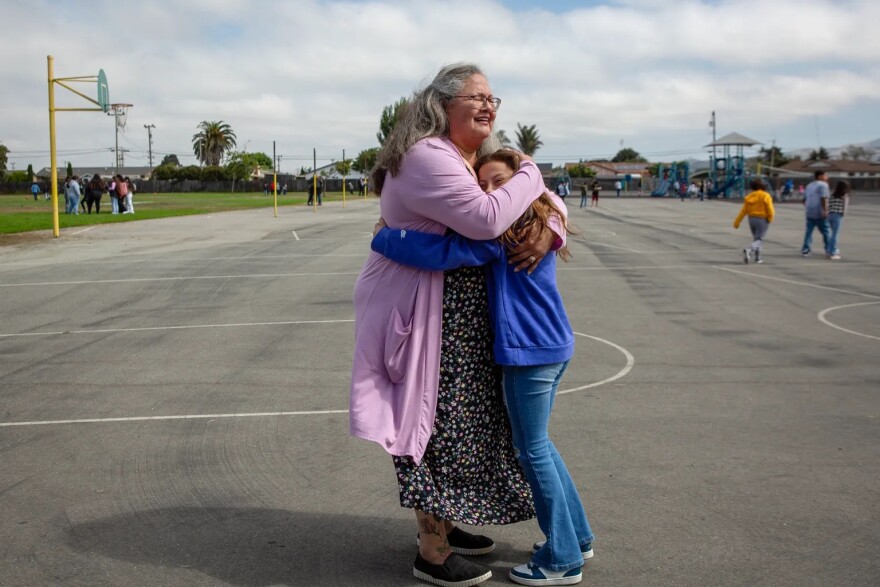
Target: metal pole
x,y
343,178
116,149
53,162
275,179
150,128
315,179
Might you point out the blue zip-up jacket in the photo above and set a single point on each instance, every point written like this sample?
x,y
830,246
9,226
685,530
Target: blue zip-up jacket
x,y
527,313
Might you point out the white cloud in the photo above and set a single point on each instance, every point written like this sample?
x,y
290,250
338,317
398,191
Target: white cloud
x,y
317,73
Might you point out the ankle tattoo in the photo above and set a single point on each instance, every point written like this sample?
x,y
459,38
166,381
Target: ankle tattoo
x,y
430,525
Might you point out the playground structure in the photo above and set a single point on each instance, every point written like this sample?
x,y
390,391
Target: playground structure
x,y
669,174
727,171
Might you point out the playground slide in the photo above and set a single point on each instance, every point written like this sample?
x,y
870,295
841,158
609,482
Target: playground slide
x,y
661,190
731,181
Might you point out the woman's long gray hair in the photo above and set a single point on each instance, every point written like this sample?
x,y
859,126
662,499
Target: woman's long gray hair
x,y
425,116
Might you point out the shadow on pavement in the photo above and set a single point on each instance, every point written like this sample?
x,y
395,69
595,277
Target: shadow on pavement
x,y
256,547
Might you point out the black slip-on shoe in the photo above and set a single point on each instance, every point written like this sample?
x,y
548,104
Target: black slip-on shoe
x,y
468,544
456,571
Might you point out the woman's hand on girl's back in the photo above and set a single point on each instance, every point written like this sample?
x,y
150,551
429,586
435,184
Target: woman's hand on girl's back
x,y
529,253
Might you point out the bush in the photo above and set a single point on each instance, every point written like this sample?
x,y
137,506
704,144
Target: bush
x,y
166,171
16,177
214,173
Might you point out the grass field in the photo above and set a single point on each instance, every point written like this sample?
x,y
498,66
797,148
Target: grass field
x,y
20,213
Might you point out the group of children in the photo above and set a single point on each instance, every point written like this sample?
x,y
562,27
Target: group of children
x,y
758,207
81,193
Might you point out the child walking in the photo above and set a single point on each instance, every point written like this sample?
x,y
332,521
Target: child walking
x,y
837,207
758,206
533,343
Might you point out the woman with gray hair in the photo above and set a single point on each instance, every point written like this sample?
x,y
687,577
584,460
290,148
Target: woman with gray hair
x,y
424,381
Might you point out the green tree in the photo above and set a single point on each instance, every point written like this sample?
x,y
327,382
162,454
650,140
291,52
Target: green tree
x,y
390,116
628,155
212,140
170,159
527,139
503,138
30,173
581,170
240,165
366,160
16,176
819,155
259,159
69,169
4,158
773,156
343,168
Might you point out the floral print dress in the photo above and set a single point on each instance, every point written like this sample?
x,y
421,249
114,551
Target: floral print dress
x,y
469,472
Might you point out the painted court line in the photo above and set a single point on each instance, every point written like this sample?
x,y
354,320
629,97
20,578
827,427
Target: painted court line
x,y
794,282
598,244
295,235
188,327
138,258
630,361
145,279
83,230
182,417
631,267
822,318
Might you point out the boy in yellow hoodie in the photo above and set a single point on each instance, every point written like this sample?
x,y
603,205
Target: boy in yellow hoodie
x,y
758,206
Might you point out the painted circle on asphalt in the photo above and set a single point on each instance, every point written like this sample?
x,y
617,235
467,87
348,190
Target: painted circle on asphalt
x,y
822,316
630,361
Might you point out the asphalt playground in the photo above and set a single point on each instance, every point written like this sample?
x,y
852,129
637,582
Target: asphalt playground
x,y
173,400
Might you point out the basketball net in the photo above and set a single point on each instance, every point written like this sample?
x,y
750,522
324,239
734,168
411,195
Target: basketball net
x,y
120,112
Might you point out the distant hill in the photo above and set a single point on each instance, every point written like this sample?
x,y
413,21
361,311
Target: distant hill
x,y
836,152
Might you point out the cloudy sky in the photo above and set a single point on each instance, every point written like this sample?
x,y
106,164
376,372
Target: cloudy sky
x,y
591,75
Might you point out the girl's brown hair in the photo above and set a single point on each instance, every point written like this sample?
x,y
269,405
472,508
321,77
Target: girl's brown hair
x,y
536,215
841,189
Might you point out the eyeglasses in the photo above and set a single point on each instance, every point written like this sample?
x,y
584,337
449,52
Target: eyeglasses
x,y
483,100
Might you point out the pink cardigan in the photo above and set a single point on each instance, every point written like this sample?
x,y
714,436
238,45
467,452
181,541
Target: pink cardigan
x,y
398,309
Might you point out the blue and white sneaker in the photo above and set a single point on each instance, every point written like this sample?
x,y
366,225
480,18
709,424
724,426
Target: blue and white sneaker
x,y
586,550
530,574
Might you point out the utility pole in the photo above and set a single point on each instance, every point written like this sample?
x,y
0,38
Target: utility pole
x,y
150,128
773,153
120,158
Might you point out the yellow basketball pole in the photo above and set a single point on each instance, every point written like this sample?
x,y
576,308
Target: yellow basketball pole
x,y
103,96
275,178
315,179
56,231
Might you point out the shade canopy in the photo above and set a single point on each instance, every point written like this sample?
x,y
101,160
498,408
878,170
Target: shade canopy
x,y
734,139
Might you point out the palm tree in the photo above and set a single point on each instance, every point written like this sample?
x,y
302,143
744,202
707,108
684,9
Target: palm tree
x,y
527,139
212,141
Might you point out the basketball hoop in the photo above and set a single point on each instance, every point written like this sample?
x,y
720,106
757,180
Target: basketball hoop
x,y
120,113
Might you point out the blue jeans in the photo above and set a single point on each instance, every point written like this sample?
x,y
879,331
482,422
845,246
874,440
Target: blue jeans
x,y
72,204
834,222
528,394
822,225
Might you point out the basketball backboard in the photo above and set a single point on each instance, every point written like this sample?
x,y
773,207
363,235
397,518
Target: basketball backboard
x,y
103,91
